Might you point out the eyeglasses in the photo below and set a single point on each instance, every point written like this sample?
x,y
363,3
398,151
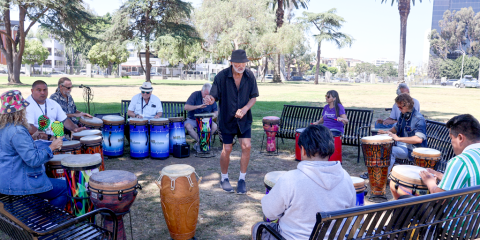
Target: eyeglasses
x,y
67,87
401,107
145,92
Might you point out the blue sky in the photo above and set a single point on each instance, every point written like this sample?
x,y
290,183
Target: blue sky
x,y
375,26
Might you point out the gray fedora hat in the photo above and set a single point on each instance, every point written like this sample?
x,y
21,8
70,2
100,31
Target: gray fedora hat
x,y
239,56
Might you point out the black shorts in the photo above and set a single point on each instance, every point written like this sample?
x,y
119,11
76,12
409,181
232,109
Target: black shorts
x,y
228,138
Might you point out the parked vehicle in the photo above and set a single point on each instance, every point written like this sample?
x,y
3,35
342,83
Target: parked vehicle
x,y
467,81
134,73
358,80
310,77
449,82
155,74
269,76
297,78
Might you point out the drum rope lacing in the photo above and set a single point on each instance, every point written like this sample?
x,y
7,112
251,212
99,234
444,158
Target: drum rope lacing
x,y
172,182
404,183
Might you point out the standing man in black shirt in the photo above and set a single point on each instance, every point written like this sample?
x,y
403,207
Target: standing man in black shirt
x,y
235,89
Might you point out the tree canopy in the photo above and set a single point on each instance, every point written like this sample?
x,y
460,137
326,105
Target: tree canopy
x,y
35,52
452,68
106,55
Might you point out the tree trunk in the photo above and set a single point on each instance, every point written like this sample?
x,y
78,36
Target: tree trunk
x,y
404,9
72,62
147,63
276,69
266,67
317,66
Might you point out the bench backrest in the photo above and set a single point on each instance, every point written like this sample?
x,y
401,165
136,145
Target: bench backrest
x,y
359,124
170,109
438,137
436,216
295,117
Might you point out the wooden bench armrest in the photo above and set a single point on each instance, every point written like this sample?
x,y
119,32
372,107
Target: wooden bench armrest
x,y
269,229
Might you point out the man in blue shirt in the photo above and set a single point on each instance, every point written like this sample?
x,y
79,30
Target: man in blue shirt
x,y
195,105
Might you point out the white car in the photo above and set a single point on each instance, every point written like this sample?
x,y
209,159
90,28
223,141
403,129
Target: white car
x,y
269,76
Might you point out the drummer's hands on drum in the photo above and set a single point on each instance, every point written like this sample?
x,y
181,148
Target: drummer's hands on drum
x,y
428,178
138,116
438,175
79,129
393,135
379,121
56,144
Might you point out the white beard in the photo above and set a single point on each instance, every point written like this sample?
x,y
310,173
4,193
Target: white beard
x,y
241,70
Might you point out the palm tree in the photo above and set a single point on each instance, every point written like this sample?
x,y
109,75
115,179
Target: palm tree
x,y
280,13
327,23
404,10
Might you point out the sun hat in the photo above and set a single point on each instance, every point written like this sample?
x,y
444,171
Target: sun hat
x,y
239,56
12,101
146,87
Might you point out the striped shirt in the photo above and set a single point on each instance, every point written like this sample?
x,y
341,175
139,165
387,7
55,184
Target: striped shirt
x,y
463,170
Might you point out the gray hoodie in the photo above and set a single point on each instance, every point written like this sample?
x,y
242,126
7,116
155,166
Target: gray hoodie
x,y
315,186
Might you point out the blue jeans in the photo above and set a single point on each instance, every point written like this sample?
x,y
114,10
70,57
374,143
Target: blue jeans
x,y
58,195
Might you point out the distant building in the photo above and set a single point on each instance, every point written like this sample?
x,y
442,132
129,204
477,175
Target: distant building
x,y
133,62
381,61
56,60
332,62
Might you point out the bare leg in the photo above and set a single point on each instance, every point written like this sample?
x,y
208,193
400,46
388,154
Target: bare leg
x,y
225,158
214,128
191,131
246,146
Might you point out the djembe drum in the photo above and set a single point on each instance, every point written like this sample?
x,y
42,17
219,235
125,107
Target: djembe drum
x,y
92,123
177,132
377,151
270,125
70,147
426,157
270,180
78,135
360,188
115,190
298,151
180,198
139,142
112,131
53,168
159,142
204,128
91,145
78,169
405,180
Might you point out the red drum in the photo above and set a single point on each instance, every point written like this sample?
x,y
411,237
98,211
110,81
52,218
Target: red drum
x,y
298,151
78,135
70,147
270,125
53,168
92,123
405,180
377,151
91,145
115,190
337,139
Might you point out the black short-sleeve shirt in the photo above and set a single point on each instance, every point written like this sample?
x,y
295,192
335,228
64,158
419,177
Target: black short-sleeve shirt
x,y
230,99
197,99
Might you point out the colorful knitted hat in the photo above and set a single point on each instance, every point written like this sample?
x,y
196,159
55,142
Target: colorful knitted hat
x,y
12,101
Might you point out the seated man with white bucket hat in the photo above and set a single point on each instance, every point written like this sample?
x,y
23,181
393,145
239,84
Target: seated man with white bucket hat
x,y
145,104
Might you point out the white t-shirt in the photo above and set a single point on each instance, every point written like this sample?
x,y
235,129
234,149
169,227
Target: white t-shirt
x,y
50,108
147,111
395,114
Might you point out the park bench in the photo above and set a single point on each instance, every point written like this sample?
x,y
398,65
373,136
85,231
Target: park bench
x,y
30,217
447,215
294,117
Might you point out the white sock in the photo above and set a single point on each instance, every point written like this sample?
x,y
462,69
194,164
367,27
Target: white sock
x,y
224,176
242,176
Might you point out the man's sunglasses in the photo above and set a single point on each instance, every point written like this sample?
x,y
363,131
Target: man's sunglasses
x,y
146,92
67,87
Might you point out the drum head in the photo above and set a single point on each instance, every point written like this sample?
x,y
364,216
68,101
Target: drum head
x,y
159,121
271,178
112,119
409,174
90,139
358,182
71,144
300,130
138,121
204,115
271,120
113,180
178,170
378,129
93,121
82,160
86,133
176,119
377,139
426,152
57,159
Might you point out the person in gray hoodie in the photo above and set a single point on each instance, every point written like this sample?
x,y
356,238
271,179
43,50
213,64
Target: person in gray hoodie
x,y
317,185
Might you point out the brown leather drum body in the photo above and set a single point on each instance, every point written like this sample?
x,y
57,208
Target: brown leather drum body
x,y
180,205
426,157
377,151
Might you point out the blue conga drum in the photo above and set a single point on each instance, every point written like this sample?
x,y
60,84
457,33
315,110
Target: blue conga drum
x,y
360,188
139,142
112,132
177,132
159,142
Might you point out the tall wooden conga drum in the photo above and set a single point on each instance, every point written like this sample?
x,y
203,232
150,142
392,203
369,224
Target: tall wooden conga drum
x,y
115,190
377,151
180,197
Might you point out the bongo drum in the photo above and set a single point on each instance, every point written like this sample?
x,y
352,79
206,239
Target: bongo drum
x,y
360,187
405,180
53,168
70,147
177,132
271,179
159,143
78,135
78,169
113,130
92,123
204,128
376,152
270,126
426,157
91,145
115,190
139,142
298,151
180,198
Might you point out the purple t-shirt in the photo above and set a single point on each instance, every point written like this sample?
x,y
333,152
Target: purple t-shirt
x,y
329,116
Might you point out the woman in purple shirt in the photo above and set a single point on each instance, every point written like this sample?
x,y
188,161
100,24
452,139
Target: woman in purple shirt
x,y
333,115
